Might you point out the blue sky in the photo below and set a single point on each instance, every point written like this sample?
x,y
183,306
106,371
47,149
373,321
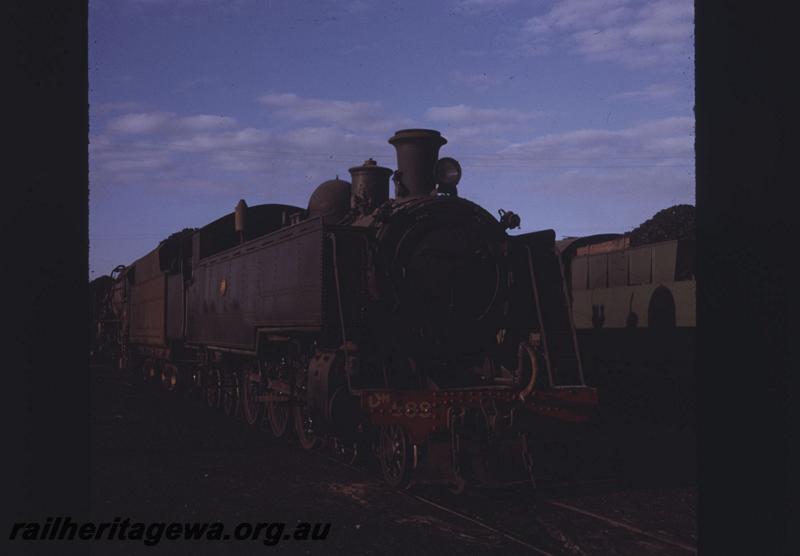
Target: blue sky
x,y
576,114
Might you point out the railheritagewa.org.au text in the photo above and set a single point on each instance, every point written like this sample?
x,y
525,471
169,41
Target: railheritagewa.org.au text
x,y
151,534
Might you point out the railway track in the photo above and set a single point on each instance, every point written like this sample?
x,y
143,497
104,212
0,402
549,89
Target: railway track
x,y
475,520
475,507
614,523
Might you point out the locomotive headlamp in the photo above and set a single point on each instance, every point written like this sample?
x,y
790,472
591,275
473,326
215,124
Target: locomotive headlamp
x,y
448,172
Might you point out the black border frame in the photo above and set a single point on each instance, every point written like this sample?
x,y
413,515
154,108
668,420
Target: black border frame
x,y
743,369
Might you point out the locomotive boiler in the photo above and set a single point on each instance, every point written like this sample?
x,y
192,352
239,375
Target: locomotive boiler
x,y
414,328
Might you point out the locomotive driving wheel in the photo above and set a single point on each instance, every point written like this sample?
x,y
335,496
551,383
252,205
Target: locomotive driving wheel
x,y
231,393
278,417
394,452
251,407
213,384
304,428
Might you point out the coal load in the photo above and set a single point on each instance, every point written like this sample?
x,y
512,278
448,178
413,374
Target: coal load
x,y
177,235
676,222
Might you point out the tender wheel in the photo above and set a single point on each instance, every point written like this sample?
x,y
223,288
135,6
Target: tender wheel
x,y
304,428
231,391
394,452
251,407
278,417
213,383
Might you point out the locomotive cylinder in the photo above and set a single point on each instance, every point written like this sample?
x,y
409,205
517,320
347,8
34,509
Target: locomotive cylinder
x,y
370,186
417,153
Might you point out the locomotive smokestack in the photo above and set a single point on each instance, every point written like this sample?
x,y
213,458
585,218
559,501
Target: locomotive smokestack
x,y
417,153
370,187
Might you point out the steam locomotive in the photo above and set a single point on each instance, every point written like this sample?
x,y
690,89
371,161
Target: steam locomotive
x,y
412,328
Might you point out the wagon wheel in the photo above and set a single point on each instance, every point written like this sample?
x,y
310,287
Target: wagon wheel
x,y
304,428
251,407
230,393
213,383
394,452
278,418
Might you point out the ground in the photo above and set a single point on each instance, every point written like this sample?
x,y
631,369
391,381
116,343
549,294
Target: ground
x,y
160,456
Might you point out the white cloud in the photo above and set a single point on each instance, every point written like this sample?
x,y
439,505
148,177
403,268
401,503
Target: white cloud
x,y
152,122
485,128
220,141
569,15
588,181
487,2
108,107
480,81
138,163
477,6
204,122
358,6
349,114
589,201
468,115
162,148
195,82
624,31
655,142
146,122
187,3
317,138
637,169
656,91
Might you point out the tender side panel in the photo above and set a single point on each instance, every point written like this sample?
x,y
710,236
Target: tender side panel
x,y
148,302
273,282
175,306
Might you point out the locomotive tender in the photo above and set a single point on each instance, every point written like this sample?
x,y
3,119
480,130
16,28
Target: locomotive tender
x,y
414,327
